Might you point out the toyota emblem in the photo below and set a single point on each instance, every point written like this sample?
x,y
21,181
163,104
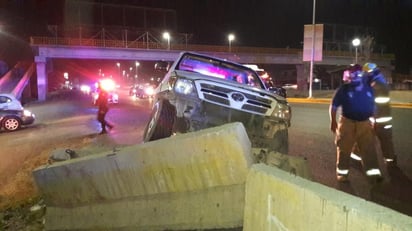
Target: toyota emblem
x,y
238,97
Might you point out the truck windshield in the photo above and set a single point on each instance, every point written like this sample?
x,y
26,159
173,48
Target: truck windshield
x,y
220,69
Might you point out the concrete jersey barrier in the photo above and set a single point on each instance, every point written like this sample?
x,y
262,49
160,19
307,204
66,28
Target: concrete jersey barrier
x,y
277,200
189,181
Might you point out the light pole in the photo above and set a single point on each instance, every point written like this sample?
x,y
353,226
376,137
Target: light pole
x,y
166,35
312,56
356,43
137,64
230,37
118,67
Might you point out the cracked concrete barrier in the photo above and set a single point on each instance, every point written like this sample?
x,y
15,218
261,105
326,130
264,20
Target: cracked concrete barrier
x,y
277,200
189,181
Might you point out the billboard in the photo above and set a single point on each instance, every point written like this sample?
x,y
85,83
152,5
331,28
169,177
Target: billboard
x,y
307,42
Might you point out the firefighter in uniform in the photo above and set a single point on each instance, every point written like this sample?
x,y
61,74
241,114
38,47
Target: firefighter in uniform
x,y
356,100
382,118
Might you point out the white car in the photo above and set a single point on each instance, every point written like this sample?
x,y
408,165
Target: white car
x,y
12,113
290,86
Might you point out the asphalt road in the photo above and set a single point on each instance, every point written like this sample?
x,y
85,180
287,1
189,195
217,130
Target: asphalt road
x,y
310,136
71,120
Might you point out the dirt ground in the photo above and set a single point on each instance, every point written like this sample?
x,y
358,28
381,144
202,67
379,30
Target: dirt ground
x,y
60,124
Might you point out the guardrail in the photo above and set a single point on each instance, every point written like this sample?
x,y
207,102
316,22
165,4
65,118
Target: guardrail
x,y
38,41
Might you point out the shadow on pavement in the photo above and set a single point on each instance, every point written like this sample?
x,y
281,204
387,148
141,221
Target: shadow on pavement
x,y
395,194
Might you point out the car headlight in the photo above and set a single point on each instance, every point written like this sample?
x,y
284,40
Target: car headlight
x,y
27,113
185,87
149,91
282,111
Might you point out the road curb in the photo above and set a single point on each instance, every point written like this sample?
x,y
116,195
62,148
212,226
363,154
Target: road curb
x,y
327,101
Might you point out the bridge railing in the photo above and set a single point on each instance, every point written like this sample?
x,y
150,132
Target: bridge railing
x,y
61,41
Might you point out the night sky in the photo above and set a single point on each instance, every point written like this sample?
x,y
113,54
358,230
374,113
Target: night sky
x,y
263,23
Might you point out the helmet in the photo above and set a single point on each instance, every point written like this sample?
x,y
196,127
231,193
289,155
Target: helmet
x,y
354,67
352,73
369,67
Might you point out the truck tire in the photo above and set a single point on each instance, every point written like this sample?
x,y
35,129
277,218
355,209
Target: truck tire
x,y
161,121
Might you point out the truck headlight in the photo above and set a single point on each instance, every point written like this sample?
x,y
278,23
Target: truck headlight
x,y
282,111
185,87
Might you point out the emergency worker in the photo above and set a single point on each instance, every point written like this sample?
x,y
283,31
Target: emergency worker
x,y
103,107
382,118
356,100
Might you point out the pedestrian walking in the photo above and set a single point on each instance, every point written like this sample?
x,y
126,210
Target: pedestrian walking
x,y
103,107
356,100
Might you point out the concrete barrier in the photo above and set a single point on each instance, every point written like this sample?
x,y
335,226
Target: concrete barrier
x,y
277,200
190,181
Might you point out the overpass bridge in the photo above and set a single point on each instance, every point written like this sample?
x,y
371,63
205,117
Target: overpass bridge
x,y
47,48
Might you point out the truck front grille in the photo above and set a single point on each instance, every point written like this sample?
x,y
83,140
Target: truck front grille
x,y
223,95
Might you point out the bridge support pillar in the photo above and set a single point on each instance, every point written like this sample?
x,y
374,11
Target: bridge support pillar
x,y
41,63
301,79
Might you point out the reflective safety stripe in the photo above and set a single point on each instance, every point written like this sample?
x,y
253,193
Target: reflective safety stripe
x,y
373,172
382,99
355,156
383,119
389,160
342,171
389,126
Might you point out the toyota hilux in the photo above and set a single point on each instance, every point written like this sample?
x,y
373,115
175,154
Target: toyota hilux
x,y
200,91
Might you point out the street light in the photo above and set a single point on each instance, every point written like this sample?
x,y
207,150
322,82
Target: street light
x,y
356,43
166,35
230,37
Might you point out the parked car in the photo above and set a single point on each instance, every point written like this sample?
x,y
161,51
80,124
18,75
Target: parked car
x,y
109,86
142,91
113,97
201,91
12,114
290,86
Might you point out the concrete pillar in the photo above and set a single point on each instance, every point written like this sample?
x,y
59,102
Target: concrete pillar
x,y
301,78
41,77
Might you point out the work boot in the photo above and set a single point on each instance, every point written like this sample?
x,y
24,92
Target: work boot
x,y
391,163
342,178
374,180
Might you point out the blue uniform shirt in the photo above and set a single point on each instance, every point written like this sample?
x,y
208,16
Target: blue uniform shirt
x,y
356,100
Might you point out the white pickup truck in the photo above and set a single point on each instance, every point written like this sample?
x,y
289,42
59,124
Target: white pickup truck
x,y
200,91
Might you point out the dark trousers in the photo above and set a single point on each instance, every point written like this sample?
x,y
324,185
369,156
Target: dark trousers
x,y
101,117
